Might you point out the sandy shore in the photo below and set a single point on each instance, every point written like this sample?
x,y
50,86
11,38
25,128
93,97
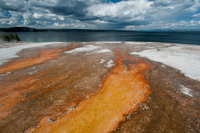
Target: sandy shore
x,y
41,83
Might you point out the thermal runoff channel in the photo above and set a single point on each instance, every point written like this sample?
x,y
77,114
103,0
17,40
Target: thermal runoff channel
x,y
121,93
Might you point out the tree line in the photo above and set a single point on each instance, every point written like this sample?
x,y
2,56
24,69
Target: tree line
x,y
10,37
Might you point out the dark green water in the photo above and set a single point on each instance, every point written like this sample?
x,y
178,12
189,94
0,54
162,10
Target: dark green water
x,y
93,36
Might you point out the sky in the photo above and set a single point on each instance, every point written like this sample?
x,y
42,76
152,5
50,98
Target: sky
x,y
101,14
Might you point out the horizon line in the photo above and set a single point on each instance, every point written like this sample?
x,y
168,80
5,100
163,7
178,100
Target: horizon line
x,y
153,30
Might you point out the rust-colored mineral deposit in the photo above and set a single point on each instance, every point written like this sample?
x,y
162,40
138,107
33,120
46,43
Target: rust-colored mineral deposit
x,y
13,93
44,55
121,93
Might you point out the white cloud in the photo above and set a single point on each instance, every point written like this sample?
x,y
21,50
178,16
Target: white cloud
x,y
37,15
126,11
195,5
196,15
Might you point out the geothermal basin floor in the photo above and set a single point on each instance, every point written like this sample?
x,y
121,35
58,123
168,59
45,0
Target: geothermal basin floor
x,y
99,87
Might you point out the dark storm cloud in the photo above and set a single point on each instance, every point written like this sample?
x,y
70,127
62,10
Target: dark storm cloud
x,y
13,5
77,9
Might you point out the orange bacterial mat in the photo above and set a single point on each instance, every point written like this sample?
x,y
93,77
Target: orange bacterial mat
x,y
44,55
121,93
13,93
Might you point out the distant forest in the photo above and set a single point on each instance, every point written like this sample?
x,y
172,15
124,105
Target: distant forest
x,y
26,29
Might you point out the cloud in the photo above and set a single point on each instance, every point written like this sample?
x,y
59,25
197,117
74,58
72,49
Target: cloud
x,y
13,5
196,15
76,8
160,25
96,14
125,11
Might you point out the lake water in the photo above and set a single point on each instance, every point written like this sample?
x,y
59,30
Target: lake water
x,y
93,36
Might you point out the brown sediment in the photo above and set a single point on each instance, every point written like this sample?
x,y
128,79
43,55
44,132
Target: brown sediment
x,y
121,93
27,89
11,94
44,55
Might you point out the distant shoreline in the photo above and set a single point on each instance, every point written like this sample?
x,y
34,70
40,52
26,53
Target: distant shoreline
x,y
28,29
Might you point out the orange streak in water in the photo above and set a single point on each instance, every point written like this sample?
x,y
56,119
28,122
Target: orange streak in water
x,y
121,93
44,55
